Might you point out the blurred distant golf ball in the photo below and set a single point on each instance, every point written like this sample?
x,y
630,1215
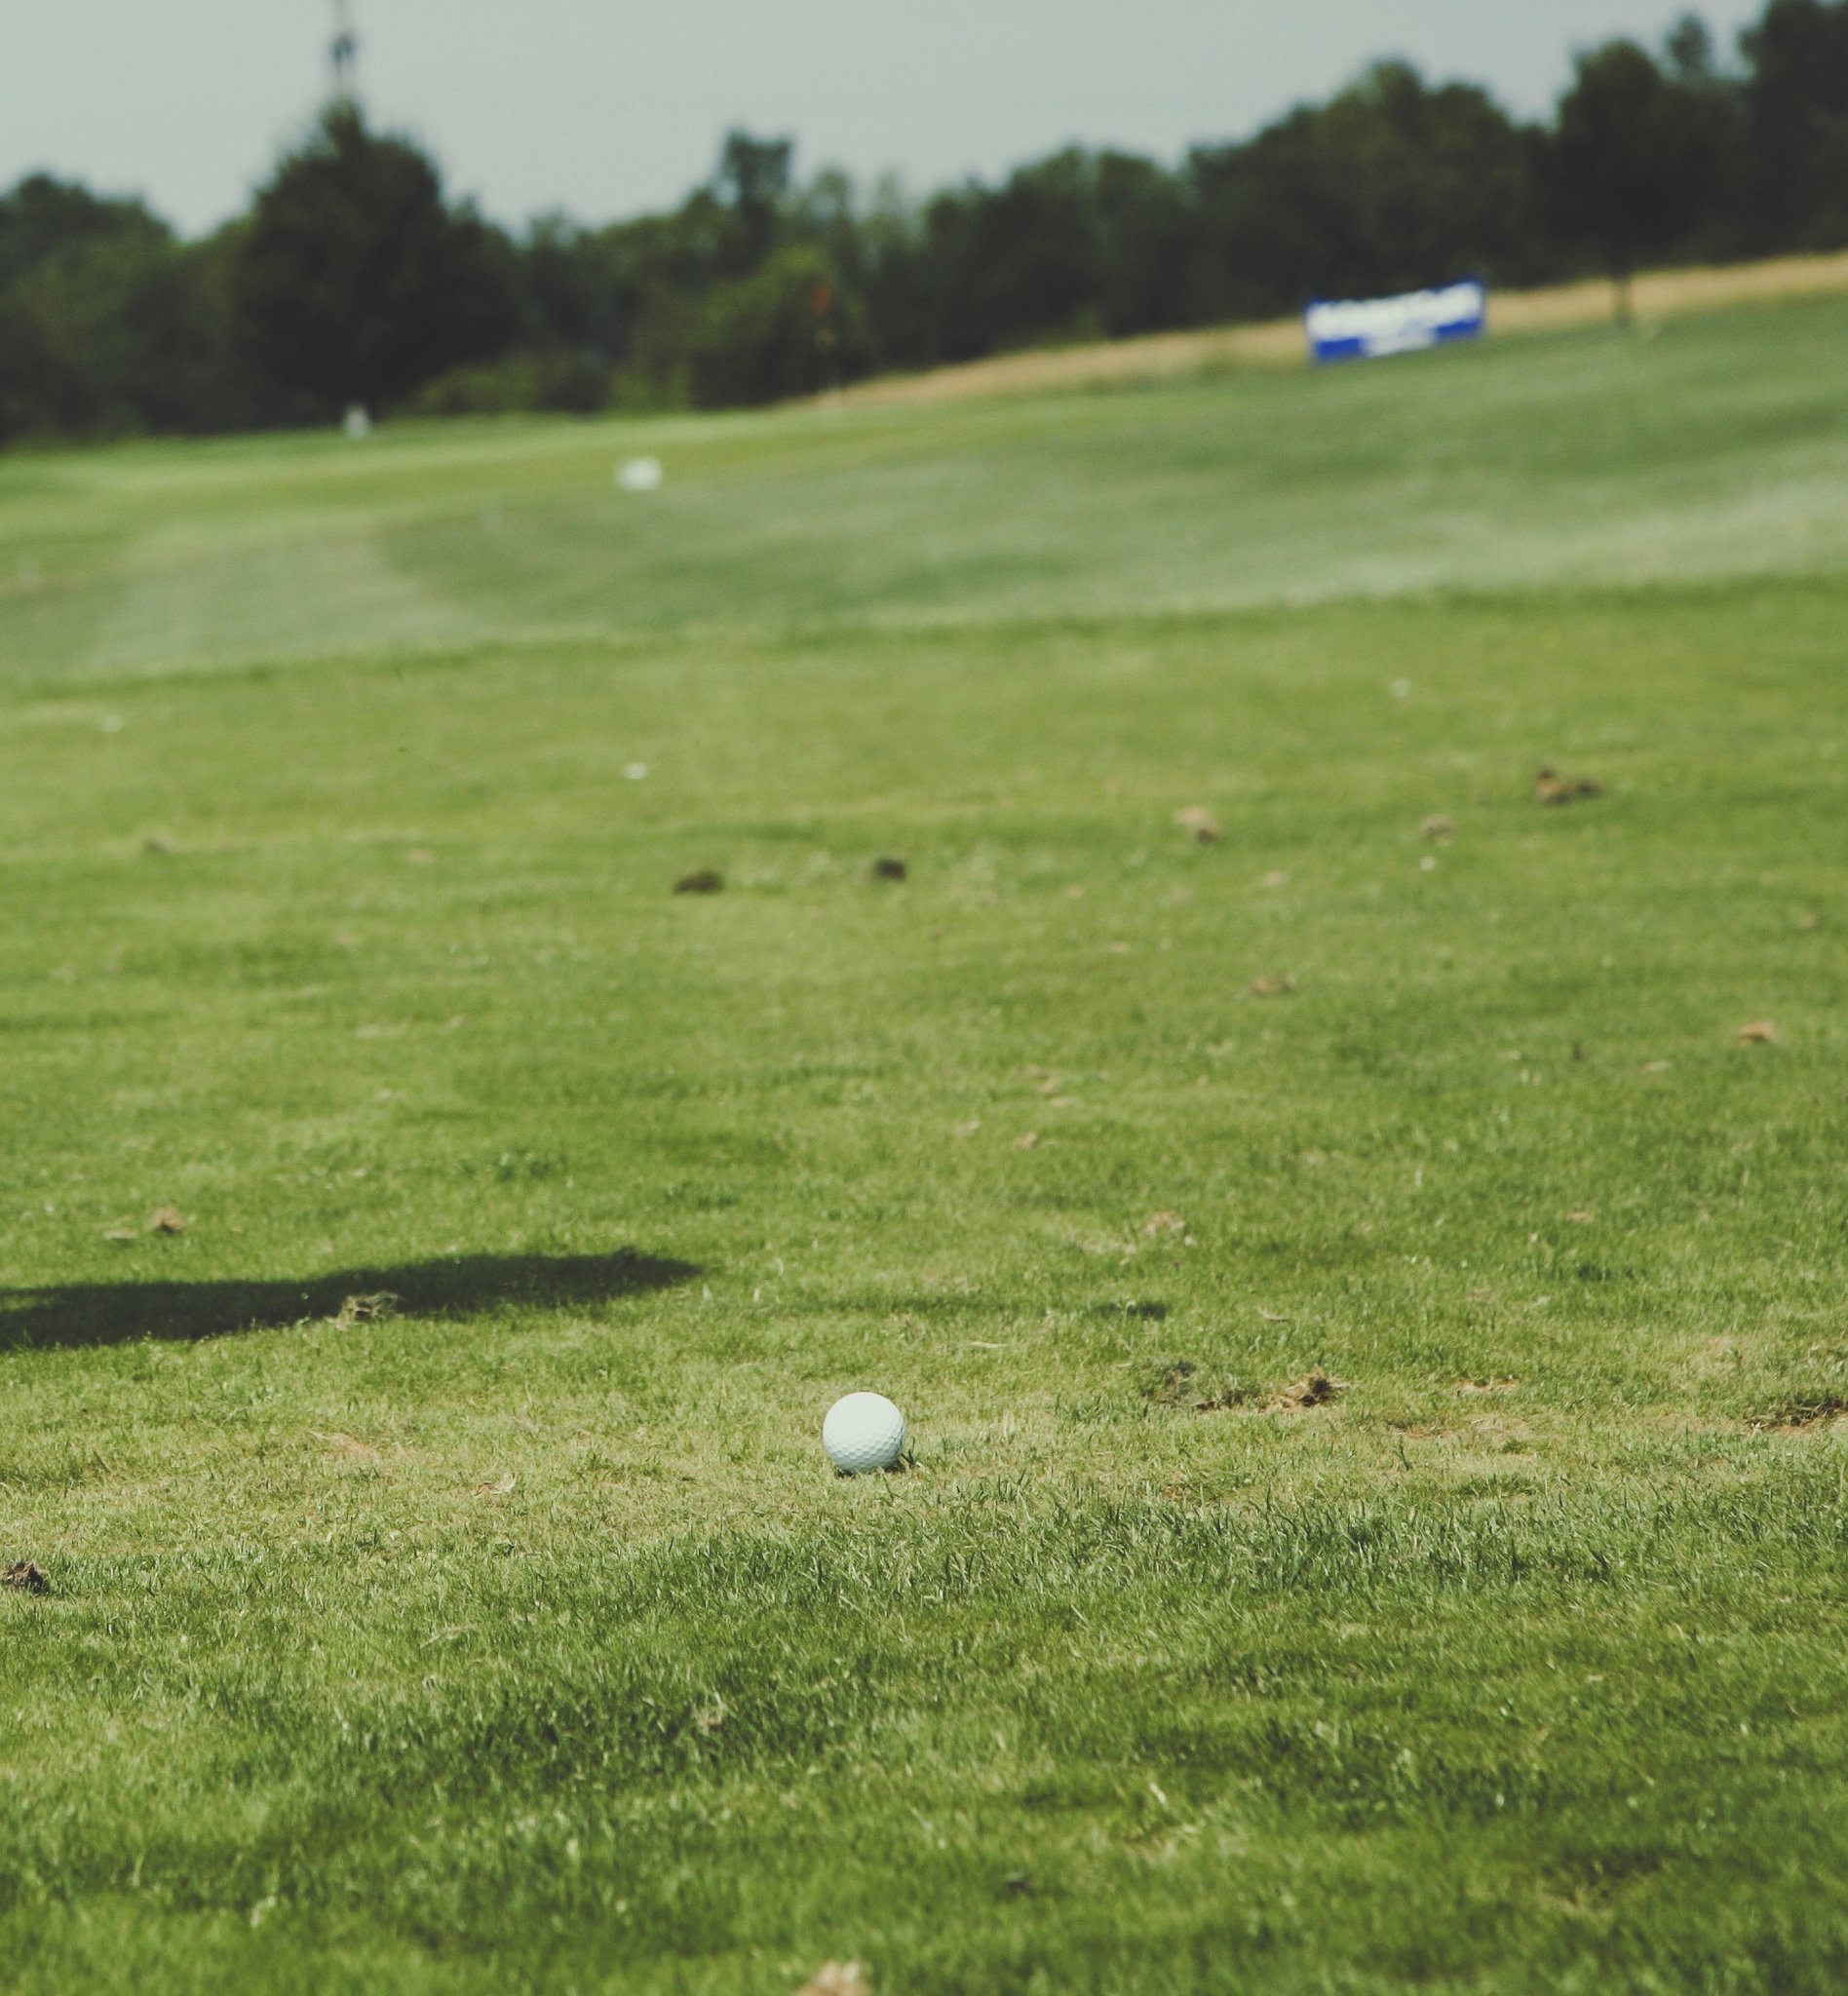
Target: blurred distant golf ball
x,y
863,1432
641,474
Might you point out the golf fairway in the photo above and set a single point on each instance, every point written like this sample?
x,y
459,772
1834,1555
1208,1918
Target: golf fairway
x,y
448,1592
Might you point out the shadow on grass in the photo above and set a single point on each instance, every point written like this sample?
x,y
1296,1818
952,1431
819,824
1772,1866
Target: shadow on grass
x,y
116,1312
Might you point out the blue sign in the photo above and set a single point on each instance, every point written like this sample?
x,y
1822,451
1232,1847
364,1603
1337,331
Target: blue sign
x,y
1364,328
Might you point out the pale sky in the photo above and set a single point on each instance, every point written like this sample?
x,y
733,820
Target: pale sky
x,y
609,108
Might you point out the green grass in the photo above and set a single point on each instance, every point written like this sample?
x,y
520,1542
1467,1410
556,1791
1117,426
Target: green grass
x,y
517,1638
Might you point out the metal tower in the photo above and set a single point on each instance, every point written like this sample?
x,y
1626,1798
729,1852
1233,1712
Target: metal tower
x,y
343,53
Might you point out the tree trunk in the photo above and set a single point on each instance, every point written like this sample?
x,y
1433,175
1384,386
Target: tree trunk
x,y
1624,296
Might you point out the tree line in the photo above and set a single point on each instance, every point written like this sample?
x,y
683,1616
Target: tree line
x,y
353,277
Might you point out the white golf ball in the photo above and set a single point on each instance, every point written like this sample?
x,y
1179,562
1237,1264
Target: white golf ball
x,y
863,1432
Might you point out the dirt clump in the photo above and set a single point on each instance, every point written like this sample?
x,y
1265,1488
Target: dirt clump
x,y
1551,787
1315,1389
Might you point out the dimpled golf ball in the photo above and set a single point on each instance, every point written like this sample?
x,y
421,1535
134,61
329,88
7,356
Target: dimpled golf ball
x,y
863,1432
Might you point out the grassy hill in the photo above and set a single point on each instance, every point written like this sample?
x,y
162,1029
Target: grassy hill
x,y
1713,448
446,1590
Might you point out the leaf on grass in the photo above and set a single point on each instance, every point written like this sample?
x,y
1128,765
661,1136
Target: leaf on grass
x,y
1027,1141
118,1230
889,867
1316,1389
1436,827
502,1486
1200,821
837,1978
1551,787
1272,988
1657,1067
28,1576
1485,1385
166,1219
711,1717
1760,1034
968,1128
1159,1223
702,880
1583,1214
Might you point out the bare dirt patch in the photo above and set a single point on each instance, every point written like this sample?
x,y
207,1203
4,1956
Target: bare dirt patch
x,y
348,1447
1805,1413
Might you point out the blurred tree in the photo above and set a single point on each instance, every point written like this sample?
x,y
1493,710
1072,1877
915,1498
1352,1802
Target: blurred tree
x,y
752,180
1015,265
1156,266
1634,161
1390,186
43,215
355,282
109,325
353,279
778,334
1795,119
1688,48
